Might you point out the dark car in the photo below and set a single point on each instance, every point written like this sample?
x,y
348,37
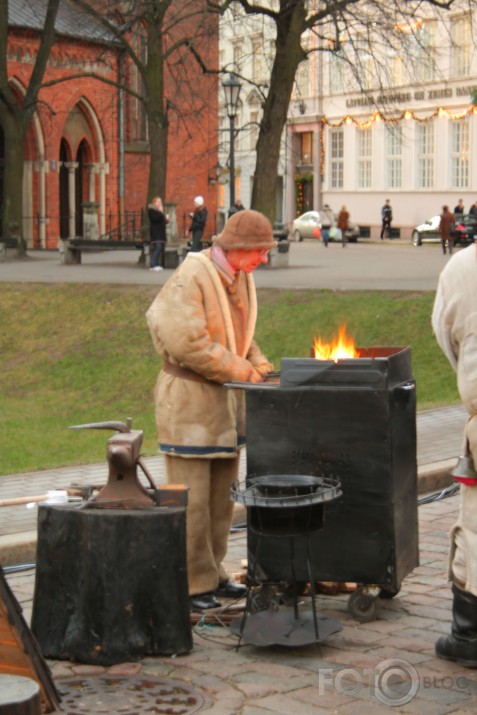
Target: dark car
x,y
465,230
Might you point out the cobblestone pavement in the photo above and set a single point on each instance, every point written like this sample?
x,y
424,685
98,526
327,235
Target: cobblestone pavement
x,y
349,674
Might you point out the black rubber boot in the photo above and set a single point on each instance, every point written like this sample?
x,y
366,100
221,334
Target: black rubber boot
x,y
461,645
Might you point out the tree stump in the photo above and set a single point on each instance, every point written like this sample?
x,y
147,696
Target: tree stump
x,y
111,584
19,695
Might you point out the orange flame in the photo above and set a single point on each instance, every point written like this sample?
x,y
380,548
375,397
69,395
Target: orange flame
x,y
339,348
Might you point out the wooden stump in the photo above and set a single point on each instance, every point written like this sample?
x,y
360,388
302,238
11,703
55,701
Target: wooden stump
x,y
19,696
111,584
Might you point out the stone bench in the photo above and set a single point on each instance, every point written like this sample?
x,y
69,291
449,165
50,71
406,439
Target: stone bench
x,y
7,243
71,249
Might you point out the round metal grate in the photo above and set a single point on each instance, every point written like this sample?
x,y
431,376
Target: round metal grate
x,y
127,696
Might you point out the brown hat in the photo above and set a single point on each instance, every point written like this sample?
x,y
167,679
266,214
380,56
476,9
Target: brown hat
x,y
247,230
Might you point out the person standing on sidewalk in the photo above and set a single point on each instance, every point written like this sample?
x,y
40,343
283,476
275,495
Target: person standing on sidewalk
x,y
199,219
202,323
454,320
157,233
386,219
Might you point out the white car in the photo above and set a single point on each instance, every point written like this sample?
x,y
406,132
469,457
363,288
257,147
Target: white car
x,y
305,226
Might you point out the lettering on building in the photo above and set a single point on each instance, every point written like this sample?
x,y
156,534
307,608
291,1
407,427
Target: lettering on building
x,y
405,97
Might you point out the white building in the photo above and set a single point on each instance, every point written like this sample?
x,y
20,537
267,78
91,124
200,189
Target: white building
x,y
406,130
246,49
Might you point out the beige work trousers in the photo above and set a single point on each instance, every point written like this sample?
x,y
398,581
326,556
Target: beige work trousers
x,y
209,516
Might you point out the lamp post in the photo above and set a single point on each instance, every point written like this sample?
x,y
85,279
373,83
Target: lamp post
x,y
231,90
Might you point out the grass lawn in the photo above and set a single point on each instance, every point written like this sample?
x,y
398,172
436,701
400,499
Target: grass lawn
x,y
74,354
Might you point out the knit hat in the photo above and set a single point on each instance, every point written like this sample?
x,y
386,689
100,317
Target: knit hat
x,y
246,229
199,200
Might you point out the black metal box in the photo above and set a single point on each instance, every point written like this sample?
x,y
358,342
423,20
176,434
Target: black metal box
x,y
354,419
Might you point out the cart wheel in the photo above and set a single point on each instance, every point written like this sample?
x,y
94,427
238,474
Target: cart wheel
x,y
362,606
388,592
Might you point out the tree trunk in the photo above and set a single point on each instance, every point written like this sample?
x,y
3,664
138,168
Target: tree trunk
x,y
14,136
289,54
158,135
111,584
155,104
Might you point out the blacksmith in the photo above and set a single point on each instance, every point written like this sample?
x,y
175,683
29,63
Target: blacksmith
x,y
202,323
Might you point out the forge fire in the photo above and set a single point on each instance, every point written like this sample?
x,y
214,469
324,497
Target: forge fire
x,y
339,348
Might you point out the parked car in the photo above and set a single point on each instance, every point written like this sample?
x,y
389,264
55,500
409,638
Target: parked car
x,y
305,227
465,230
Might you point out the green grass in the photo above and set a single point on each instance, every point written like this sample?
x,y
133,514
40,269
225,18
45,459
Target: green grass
x,y
74,354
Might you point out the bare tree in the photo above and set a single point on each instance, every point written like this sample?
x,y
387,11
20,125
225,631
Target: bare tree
x,y
161,38
329,21
16,113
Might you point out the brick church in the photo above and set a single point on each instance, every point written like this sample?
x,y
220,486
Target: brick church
x,y
87,146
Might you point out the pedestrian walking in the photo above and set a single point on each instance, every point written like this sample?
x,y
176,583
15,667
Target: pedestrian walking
x,y
199,219
455,328
446,229
327,223
343,225
157,233
386,219
202,323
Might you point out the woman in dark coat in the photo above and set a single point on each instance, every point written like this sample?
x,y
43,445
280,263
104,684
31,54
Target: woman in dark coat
x,y
199,218
157,233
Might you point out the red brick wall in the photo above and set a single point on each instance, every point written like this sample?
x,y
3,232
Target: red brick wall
x,y
192,152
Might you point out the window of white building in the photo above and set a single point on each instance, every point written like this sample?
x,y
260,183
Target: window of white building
x,y
336,73
237,48
257,58
461,36
336,158
254,129
365,147
302,79
393,156
306,147
459,154
425,155
425,52
396,67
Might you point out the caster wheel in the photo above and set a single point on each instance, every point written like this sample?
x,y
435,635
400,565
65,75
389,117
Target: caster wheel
x,y
362,606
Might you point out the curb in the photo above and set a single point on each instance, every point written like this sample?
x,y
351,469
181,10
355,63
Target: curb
x,y
16,549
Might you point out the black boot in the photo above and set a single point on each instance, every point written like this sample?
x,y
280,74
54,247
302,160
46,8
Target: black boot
x,y
461,645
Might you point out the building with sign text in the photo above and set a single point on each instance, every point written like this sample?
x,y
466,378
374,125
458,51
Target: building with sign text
x,y
399,125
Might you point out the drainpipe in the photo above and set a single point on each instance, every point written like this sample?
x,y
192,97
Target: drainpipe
x,y
121,139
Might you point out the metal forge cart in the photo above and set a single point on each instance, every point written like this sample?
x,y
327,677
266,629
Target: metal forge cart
x,y
355,420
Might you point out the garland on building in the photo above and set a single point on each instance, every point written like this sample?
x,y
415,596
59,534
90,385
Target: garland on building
x,y
379,117
300,181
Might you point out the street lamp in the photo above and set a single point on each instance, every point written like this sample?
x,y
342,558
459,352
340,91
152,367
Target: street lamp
x,y
232,90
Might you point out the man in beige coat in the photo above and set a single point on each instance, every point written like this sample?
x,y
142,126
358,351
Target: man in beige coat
x,y
454,320
202,323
